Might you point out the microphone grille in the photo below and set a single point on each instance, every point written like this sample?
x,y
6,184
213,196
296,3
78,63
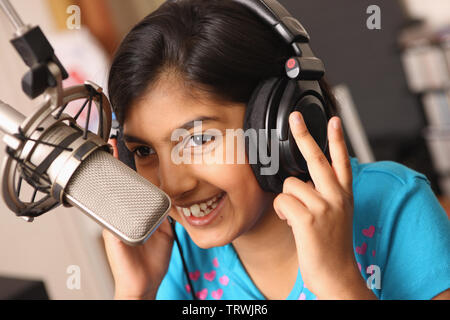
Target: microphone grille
x,y
117,197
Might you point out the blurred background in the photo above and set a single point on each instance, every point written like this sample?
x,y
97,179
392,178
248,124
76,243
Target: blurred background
x,y
393,85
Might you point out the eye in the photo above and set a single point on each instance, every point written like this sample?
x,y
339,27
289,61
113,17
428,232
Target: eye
x,y
199,140
142,151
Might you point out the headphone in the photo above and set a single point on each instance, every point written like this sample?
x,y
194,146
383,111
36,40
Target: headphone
x,y
274,99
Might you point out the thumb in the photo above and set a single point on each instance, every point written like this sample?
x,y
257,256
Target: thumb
x,y
291,209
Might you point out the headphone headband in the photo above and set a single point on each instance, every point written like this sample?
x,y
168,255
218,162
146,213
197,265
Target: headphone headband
x,y
271,11
308,66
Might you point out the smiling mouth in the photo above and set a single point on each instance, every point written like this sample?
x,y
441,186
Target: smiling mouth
x,y
201,209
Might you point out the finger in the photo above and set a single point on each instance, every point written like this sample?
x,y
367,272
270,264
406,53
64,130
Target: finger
x,y
289,208
108,236
113,143
305,193
117,252
320,170
165,229
339,154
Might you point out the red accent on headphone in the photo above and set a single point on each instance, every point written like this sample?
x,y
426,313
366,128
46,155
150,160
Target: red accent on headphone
x,y
291,63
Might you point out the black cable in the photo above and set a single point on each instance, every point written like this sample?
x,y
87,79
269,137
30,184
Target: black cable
x,y
172,224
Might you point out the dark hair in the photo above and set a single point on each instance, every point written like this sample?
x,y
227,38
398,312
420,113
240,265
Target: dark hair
x,y
217,46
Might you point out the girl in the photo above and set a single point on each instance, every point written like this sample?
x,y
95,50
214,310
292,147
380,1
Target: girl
x,y
356,231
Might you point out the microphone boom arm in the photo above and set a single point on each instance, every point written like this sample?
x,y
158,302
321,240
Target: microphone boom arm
x,y
13,17
36,52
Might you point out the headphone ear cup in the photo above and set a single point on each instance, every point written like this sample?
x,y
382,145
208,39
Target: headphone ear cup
x,y
316,121
266,94
125,155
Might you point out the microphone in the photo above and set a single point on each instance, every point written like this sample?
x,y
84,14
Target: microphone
x,y
77,169
63,162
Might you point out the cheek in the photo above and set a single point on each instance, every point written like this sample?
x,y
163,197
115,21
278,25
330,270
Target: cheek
x,y
232,178
150,173
238,180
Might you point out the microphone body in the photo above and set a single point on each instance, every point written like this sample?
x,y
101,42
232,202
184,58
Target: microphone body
x,y
114,195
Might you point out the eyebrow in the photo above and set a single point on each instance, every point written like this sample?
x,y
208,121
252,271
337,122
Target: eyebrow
x,y
187,126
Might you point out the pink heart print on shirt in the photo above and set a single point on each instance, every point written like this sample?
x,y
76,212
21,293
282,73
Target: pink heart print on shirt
x,y
188,288
215,262
302,296
202,294
224,280
194,275
210,275
362,249
369,232
217,294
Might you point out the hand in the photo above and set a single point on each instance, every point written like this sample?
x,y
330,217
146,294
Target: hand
x,y
320,214
138,271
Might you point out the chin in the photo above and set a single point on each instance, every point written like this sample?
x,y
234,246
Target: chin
x,y
205,241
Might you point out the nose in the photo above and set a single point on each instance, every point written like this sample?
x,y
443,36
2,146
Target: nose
x,y
175,179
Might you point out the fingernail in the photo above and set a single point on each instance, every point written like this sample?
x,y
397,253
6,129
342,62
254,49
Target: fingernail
x,y
296,118
336,123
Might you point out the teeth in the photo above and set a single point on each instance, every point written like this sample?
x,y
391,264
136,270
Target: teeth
x,y
187,212
195,210
201,209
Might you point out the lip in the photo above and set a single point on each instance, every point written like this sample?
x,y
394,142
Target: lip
x,y
203,221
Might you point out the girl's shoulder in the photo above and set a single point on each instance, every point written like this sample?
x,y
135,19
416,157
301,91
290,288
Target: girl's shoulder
x,y
400,231
383,172
381,188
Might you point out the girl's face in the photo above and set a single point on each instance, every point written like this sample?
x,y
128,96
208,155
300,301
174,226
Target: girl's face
x,y
192,187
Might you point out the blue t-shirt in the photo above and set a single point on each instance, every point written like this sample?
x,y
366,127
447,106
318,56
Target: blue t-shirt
x,y
401,241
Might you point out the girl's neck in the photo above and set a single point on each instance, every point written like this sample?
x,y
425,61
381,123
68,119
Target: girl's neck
x,y
268,244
